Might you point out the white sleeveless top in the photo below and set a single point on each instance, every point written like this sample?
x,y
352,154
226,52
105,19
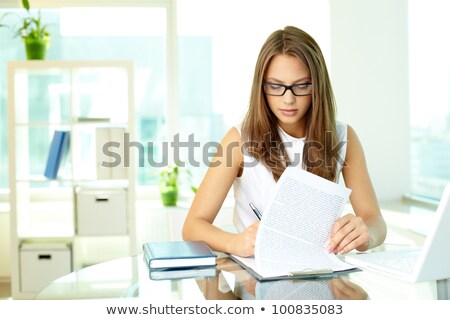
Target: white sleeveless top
x,y
257,182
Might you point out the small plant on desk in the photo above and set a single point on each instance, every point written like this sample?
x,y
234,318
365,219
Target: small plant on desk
x,y
168,185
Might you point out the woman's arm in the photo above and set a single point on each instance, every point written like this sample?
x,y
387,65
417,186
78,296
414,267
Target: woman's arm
x,y
367,228
224,169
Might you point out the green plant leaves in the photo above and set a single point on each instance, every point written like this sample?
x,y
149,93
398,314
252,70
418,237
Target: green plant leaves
x,y
26,4
31,26
169,177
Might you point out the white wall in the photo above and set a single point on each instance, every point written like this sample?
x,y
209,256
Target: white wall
x,y
369,70
236,45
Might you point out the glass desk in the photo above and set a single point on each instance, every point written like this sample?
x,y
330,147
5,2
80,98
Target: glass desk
x,y
129,278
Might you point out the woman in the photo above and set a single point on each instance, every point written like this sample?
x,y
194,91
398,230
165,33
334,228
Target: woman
x,y
290,121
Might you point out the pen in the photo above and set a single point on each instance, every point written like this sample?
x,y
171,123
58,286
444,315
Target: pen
x,y
255,210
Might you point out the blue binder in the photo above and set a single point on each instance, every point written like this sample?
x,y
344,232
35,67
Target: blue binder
x,y
178,255
58,147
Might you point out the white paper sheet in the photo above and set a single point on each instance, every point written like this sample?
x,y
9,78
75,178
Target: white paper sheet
x,y
296,224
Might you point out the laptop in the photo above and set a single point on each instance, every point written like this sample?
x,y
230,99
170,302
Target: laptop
x,y
430,262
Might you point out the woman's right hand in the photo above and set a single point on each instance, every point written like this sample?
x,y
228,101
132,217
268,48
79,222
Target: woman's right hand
x,y
243,244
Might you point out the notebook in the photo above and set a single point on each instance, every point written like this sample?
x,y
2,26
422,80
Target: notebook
x,y
58,149
173,274
430,262
180,273
178,254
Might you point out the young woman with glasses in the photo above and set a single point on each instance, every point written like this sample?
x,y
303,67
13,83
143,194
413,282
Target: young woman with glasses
x,y
290,121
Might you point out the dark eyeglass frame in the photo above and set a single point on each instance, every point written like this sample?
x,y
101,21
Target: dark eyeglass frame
x,y
286,88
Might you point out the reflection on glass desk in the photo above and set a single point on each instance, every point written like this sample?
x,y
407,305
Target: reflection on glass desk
x,y
129,278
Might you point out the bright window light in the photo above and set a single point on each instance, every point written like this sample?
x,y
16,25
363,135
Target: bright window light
x,y
429,98
113,22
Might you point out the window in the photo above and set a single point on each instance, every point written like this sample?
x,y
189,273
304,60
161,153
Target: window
x,y
217,45
429,87
131,39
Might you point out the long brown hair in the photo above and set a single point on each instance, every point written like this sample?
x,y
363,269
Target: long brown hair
x,y
260,124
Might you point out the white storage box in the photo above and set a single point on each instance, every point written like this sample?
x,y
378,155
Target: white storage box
x,y
40,264
101,212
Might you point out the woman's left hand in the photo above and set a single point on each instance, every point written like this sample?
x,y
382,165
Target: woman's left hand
x,y
349,232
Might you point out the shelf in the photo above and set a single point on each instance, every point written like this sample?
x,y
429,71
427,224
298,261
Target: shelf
x,y
46,219
45,235
100,124
89,120
80,97
55,66
42,179
42,124
76,123
94,183
49,242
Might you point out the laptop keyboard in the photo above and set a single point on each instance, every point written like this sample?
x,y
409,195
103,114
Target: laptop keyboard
x,y
404,264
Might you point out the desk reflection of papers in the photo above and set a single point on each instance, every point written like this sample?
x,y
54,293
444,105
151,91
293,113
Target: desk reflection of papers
x,y
232,282
293,290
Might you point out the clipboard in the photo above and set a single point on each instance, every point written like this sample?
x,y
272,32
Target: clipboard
x,y
306,275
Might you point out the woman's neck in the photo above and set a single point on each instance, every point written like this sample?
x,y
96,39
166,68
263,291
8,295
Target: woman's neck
x,y
296,130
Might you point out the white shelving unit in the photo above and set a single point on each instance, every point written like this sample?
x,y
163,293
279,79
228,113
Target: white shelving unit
x,y
79,97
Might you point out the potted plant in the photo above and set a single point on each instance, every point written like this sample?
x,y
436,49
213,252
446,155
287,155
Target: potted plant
x,y
33,32
168,185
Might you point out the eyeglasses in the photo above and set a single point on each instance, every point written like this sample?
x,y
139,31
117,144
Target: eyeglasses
x,y
276,89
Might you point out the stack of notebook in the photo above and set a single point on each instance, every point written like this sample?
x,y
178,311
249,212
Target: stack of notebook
x,y
179,259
